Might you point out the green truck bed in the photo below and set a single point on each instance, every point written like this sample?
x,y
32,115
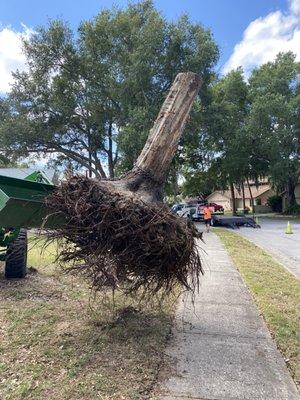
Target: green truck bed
x,y
22,204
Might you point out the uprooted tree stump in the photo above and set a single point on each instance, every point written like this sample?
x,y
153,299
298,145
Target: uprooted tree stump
x,y
118,233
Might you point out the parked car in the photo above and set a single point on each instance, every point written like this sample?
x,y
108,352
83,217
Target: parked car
x,y
195,211
187,211
177,207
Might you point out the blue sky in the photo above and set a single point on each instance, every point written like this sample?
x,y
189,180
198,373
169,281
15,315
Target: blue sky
x,y
249,32
226,18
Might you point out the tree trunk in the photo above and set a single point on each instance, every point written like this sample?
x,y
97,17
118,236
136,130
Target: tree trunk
x,y
111,169
152,166
173,178
90,172
290,192
251,197
100,173
233,199
162,142
243,194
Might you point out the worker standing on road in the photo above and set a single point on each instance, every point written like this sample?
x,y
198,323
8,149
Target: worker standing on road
x,y
207,217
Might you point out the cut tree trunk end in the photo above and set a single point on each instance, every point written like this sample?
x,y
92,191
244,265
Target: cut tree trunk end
x,y
118,233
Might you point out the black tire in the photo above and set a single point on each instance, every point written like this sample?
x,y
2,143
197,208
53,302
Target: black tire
x,y
16,257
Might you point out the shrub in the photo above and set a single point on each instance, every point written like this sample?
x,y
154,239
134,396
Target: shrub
x,y
294,209
275,202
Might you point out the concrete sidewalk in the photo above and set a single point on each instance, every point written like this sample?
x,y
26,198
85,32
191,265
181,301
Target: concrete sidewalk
x,y
222,349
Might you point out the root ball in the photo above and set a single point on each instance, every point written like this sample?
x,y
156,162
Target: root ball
x,y
117,240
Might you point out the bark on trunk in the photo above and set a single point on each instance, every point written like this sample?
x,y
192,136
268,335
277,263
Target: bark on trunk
x,y
162,142
233,199
152,166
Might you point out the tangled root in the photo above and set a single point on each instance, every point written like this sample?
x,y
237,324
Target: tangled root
x,y
118,241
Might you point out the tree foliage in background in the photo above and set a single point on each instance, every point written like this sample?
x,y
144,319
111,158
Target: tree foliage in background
x,y
92,97
252,130
274,119
225,121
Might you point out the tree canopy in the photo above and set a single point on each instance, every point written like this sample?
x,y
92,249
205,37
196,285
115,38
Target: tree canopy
x,y
251,129
274,119
92,96
225,162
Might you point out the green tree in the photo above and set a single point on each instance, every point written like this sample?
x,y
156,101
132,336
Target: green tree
x,y
5,160
225,121
274,120
91,97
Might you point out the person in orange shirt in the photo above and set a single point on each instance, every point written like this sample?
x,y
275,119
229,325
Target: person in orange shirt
x,y
207,217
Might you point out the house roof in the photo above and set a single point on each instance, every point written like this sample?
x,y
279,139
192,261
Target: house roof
x,y
256,192
222,193
22,173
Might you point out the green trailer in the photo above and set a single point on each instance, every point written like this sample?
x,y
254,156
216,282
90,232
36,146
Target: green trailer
x,y
22,207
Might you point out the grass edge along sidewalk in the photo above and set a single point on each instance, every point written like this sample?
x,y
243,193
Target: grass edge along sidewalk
x,y
275,291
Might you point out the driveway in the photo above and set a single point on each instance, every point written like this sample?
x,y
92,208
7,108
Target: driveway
x,y
272,238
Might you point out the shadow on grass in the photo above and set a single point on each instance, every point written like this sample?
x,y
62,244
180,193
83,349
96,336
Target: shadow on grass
x,y
64,342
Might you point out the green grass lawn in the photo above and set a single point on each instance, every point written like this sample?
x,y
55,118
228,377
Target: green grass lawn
x,y
276,292
59,342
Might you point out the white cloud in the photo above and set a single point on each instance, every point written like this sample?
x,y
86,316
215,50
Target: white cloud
x,y
265,37
295,6
11,56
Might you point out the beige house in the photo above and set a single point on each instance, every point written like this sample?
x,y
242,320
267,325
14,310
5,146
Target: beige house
x,y
260,195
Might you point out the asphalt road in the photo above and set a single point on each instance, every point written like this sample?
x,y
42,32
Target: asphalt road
x,y
272,238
